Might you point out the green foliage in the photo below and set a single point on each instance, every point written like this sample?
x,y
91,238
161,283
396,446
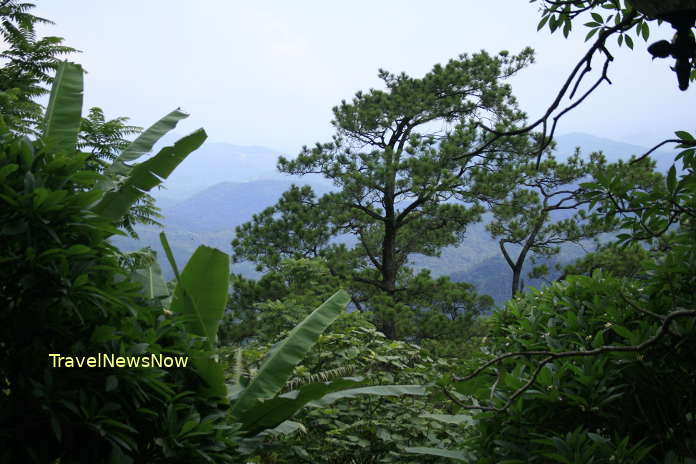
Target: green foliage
x,y
125,184
297,227
147,175
281,299
604,15
650,212
140,146
598,368
147,272
397,181
365,424
537,208
28,62
64,291
612,258
62,121
591,369
28,66
105,140
630,399
436,312
200,296
620,17
277,368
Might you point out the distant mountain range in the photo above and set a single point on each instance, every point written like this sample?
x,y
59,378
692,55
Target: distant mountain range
x,y
221,186
216,163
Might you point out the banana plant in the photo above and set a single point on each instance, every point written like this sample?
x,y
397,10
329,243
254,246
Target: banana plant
x,y
201,288
273,413
122,184
200,296
142,145
258,406
64,111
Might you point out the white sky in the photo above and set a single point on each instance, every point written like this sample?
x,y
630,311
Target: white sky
x,y
268,72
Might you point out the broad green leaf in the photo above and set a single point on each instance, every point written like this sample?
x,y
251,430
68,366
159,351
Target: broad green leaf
x,y
201,295
7,170
281,360
591,33
147,175
64,111
598,340
380,390
445,453
201,292
623,331
270,413
140,146
645,30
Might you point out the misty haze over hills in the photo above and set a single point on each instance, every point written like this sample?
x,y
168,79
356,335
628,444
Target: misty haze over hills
x,y
221,186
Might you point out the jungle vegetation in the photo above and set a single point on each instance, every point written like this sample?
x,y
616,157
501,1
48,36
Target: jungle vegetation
x,y
341,352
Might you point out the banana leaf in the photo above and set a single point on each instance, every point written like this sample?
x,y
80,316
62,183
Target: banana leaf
x,y
268,414
141,145
201,295
379,390
202,290
64,110
282,359
145,176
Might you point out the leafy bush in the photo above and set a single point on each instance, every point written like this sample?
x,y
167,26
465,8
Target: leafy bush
x,y
630,398
372,423
63,291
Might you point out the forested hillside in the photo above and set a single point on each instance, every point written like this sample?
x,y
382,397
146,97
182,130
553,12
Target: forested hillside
x,y
443,278
210,216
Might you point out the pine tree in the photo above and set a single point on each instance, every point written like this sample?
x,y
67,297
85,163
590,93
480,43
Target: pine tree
x,y
399,160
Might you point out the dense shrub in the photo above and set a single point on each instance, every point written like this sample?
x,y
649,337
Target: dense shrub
x,y
363,429
63,290
616,406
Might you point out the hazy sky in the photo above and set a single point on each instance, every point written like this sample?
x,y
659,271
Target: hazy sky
x,y
269,72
